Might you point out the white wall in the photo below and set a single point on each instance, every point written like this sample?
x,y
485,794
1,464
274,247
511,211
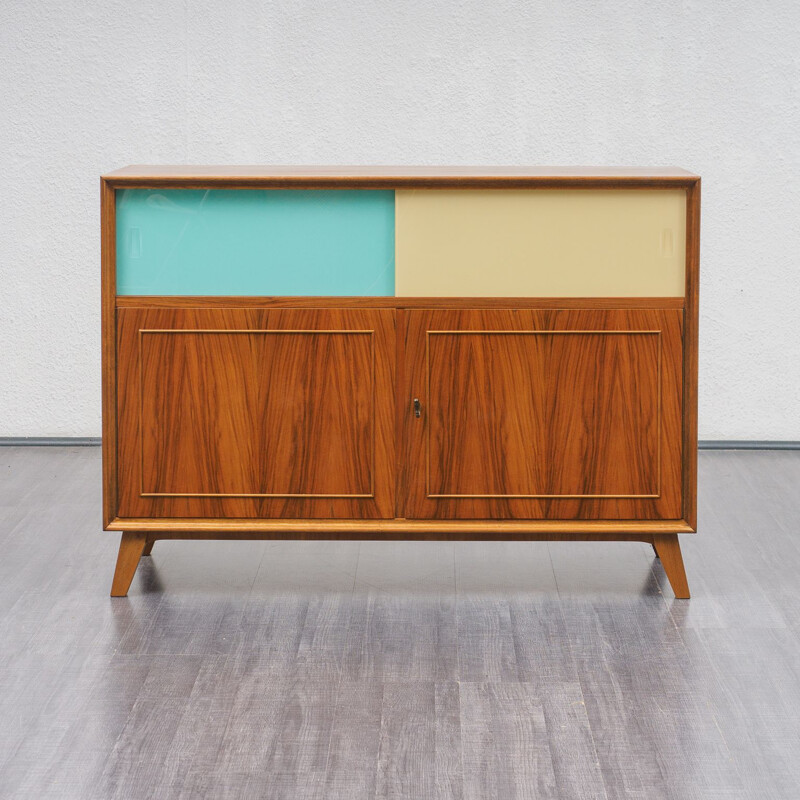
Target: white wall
x,y
713,86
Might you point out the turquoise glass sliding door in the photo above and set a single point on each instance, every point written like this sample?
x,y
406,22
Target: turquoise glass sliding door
x,y
255,242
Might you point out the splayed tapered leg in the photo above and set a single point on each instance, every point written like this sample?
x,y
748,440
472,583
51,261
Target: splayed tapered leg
x,y
668,549
131,548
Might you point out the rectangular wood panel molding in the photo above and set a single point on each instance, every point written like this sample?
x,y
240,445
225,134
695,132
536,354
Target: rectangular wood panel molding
x,y
587,401
198,440
540,243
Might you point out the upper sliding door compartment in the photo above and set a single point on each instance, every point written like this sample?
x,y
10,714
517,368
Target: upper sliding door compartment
x,y
255,242
540,242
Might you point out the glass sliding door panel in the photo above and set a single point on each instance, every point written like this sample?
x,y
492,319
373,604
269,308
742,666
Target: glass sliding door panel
x,y
541,243
255,242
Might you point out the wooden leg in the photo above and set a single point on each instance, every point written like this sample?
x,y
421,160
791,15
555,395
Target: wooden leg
x,y
669,551
655,552
130,551
148,547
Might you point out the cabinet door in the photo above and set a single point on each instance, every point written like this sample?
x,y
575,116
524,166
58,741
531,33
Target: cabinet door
x,y
256,413
532,414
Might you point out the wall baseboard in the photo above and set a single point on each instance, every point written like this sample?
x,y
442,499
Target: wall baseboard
x,y
50,441
95,441
747,444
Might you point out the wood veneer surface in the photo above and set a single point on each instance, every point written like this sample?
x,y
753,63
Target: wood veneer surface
x,y
205,301
387,177
544,414
256,413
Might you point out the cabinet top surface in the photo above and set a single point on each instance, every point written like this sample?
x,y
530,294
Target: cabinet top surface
x,y
397,176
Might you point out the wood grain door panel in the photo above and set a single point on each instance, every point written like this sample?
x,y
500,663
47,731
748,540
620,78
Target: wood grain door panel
x,y
256,413
544,414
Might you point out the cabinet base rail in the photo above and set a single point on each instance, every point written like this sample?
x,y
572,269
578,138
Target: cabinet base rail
x,y
662,535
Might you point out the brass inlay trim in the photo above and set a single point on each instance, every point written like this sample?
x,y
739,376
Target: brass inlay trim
x,y
371,333
431,495
241,494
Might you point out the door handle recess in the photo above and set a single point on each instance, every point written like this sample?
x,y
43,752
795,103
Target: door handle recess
x,y
417,408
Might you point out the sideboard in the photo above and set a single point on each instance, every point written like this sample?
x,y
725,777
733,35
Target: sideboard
x,y
399,353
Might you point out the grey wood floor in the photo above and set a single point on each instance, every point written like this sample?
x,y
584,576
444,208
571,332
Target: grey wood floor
x,y
394,670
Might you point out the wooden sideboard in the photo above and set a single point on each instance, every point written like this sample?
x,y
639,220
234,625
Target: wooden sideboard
x,y
400,353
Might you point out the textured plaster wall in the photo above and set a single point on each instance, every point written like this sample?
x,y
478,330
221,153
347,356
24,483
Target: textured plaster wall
x,y
87,87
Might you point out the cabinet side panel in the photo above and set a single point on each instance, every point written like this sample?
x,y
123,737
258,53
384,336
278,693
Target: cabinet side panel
x,y
540,243
109,351
690,359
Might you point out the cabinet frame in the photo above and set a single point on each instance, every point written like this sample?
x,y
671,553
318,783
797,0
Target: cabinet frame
x,y
139,533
